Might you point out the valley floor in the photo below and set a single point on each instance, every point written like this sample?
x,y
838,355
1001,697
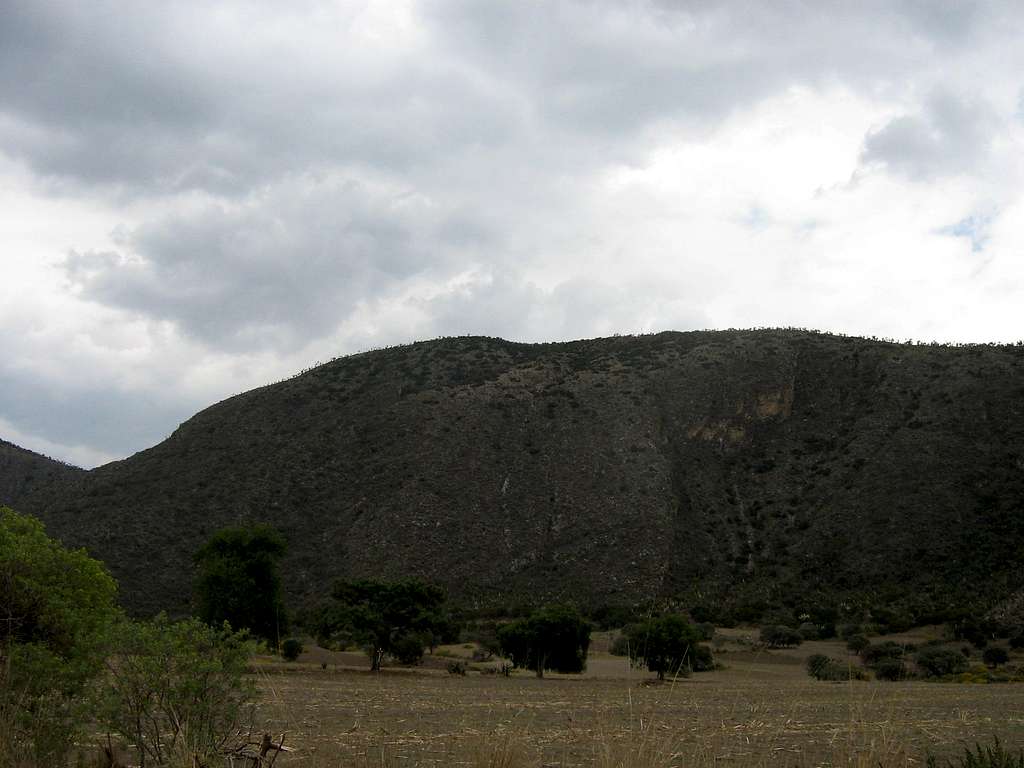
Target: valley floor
x,y
761,709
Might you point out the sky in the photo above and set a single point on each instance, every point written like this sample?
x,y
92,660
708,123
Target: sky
x,y
200,198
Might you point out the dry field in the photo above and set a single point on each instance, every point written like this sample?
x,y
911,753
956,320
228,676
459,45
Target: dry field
x,y
762,709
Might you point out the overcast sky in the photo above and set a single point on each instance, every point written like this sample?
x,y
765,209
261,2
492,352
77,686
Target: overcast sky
x,y
199,198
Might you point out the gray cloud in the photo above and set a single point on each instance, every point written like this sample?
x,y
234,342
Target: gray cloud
x,y
108,420
949,135
286,266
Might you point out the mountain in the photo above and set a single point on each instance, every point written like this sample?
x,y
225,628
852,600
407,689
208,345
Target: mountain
x,y
733,469
23,472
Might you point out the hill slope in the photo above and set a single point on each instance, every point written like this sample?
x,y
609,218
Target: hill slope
x,y
745,467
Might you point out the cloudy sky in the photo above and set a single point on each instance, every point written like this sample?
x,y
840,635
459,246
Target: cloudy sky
x,y
198,198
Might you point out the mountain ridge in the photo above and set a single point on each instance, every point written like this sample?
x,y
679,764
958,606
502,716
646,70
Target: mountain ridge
x,y
720,468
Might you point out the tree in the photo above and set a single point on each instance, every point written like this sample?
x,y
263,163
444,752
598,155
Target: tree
x,y
238,581
995,656
669,644
555,638
56,607
386,618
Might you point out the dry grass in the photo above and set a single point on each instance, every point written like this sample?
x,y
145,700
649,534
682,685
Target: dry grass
x,y
760,711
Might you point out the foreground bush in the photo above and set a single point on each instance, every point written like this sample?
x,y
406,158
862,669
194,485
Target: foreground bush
x,y
175,690
995,756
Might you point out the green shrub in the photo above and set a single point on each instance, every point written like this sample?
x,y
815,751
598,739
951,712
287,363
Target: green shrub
x,y
620,646
821,667
1017,641
995,656
995,756
857,643
891,669
937,662
872,655
175,690
290,649
846,631
778,636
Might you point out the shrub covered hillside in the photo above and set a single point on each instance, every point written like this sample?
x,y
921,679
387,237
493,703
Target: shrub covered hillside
x,y
734,470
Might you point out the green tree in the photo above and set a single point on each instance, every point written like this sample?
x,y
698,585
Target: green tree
x,y
399,618
238,581
56,608
555,638
667,644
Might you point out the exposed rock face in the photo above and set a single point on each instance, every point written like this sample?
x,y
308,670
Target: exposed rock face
x,y
702,465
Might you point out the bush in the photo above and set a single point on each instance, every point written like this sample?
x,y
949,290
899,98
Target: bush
x,y
706,630
816,662
778,636
874,654
290,649
456,668
846,631
995,656
891,669
408,648
1017,641
620,646
937,662
809,631
995,756
176,690
821,667
857,643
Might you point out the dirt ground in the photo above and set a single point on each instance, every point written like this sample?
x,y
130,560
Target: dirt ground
x,y
760,709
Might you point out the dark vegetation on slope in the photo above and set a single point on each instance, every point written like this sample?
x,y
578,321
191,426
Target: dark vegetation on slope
x,y
23,472
737,471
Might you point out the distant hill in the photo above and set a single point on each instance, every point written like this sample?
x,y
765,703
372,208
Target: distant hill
x,y
733,470
23,472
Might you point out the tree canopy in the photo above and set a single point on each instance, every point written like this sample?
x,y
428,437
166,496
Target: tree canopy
x,y
398,619
667,644
555,638
238,580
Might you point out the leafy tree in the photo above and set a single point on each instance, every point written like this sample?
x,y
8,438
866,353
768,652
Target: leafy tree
x,y
387,618
554,637
177,691
668,644
994,656
238,581
56,606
